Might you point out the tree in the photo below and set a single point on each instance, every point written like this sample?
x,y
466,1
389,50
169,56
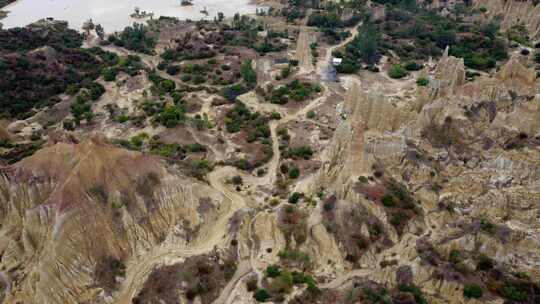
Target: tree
x,y
248,74
100,32
295,198
88,26
220,16
367,43
171,116
96,90
397,71
273,271
261,295
294,173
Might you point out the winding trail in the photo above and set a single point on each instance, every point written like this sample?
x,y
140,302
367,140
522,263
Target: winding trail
x,y
140,268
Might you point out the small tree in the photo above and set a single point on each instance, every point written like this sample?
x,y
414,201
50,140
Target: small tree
x,y
472,291
422,81
294,173
397,71
367,43
295,198
248,74
88,26
273,271
100,32
261,295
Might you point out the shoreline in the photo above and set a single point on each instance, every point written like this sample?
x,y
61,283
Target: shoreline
x,y
247,7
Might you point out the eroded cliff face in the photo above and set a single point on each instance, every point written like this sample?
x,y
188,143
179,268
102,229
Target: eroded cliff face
x,y
513,12
74,215
468,154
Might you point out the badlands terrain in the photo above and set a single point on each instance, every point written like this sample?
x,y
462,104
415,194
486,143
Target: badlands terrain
x,y
315,152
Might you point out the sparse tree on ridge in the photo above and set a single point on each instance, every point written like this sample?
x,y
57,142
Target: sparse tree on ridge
x,y
88,26
100,32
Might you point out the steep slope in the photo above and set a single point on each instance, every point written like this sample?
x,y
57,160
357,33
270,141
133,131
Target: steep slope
x,y
73,215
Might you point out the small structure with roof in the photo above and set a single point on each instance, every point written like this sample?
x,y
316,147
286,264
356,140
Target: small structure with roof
x,y
337,61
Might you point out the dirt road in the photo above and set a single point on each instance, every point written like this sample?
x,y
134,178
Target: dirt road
x,y
303,51
140,268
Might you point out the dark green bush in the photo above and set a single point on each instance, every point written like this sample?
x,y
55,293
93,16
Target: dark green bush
x,y
294,173
415,291
388,201
413,66
273,271
171,116
304,152
261,295
472,291
295,198
422,81
396,71
135,38
248,74
96,90
109,74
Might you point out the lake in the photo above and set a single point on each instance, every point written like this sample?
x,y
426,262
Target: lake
x,y
114,15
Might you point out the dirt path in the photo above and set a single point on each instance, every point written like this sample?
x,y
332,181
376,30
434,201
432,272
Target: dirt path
x,y
140,268
303,51
324,65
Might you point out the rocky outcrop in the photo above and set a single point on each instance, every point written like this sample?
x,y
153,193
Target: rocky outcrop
x,y
516,72
449,74
514,12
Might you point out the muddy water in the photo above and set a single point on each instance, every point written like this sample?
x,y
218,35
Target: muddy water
x,y
114,15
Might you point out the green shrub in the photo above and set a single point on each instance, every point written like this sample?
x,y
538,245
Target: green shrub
x,y
273,271
261,295
294,173
109,74
388,201
237,180
171,116
396,71
304,152
514,293
295,90
167,85
295,198
484,263
230,93
164,150
135,38
472,291
295,256
96,90
195,148
283,283
248,74
487,226
422,81
415,291
413,66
